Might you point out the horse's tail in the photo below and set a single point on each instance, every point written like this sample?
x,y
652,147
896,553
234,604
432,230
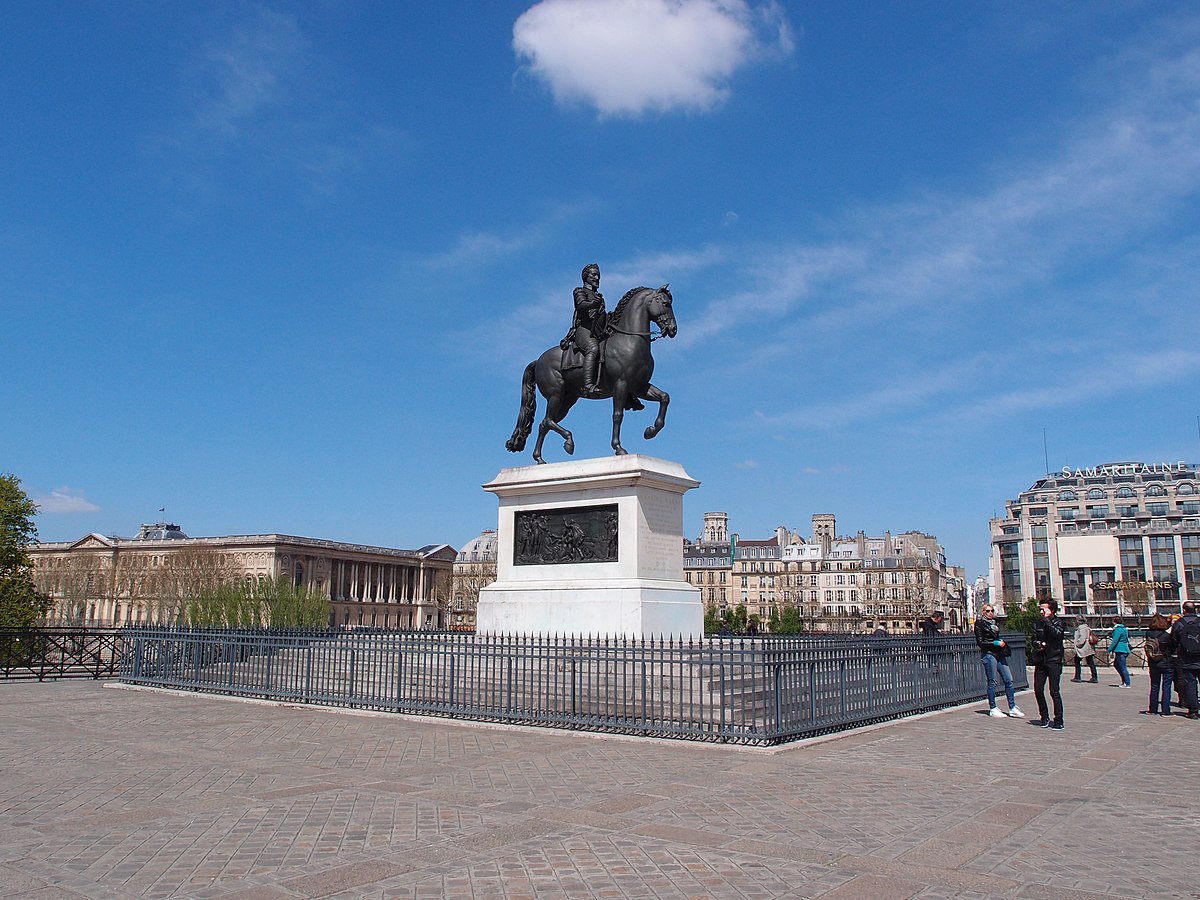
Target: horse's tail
x,y
516,443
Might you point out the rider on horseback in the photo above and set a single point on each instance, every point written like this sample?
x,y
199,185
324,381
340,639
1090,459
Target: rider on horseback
x,y
588,326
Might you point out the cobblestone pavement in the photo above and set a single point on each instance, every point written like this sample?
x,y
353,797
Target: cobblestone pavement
x,y
112,792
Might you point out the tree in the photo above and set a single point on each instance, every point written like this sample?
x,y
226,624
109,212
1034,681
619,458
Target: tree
x,y
712,618
1137,599
21,603
1022,618
786,621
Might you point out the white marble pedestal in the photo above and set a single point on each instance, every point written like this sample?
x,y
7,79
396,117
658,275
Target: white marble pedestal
x,y
640,593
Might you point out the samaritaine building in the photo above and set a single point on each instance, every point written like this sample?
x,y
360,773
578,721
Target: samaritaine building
x,y
1117,538
100,580
837,583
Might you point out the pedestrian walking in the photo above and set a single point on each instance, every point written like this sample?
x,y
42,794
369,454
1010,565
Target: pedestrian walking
x,y
1158,649
1085,649
1118,650
993,653
1185,638
931,628
1048,635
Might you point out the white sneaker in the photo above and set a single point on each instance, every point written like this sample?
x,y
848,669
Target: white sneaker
x,y
1016,713
996,714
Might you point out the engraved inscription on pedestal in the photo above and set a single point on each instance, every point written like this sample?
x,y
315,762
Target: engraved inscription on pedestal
x,y
581,534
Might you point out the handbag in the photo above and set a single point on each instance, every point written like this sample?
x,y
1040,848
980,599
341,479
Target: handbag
x,y
1092,639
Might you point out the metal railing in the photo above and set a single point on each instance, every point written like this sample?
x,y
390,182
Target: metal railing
x,y
756,691
43,653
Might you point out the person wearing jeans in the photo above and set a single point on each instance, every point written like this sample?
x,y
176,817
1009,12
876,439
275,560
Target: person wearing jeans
x,y
993,653
1160,664
1118,649
1048,634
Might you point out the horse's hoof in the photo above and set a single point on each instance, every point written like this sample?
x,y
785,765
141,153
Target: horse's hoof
x,y
650,432
621,451
569,446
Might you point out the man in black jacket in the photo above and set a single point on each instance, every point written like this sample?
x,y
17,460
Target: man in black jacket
x,y
1185,638
1048,634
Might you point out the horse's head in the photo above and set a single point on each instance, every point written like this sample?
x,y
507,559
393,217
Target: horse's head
x,y
661,312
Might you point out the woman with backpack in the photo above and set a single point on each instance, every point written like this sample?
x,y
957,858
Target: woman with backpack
x,y
1118,649
1162,667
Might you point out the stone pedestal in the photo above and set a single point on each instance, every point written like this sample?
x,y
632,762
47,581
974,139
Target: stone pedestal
x,y
591,547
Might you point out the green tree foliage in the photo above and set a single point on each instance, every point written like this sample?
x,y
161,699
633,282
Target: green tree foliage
x,y
786,621
1022,617
284,605
712,619
21,604
272,602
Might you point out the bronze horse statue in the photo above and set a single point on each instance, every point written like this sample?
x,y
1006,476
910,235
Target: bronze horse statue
x,y
624,377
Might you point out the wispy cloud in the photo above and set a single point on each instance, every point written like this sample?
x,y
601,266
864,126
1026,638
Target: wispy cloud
x,y
1030,245
253,102
1087,384
65,500
629,57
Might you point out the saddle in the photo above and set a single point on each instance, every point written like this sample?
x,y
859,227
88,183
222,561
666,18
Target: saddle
x,y
572,358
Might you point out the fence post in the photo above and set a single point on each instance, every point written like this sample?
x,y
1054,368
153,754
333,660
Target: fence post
x,y
307,698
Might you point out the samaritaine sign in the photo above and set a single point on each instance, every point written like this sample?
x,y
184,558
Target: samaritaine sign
x,y
1127,585
1115,469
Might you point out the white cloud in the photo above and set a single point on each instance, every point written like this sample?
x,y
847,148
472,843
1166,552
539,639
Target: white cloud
x,y
65,500
629,57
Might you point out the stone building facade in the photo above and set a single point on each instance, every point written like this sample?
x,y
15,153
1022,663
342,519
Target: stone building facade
x,y
1122,537
99,580
837,583
474,569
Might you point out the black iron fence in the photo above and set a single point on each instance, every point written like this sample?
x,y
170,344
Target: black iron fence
x,y
28,654
754,690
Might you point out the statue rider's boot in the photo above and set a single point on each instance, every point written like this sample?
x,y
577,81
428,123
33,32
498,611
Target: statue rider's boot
x,y
591,367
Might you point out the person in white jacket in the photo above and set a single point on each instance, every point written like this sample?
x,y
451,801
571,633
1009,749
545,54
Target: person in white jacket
x,y
1084,650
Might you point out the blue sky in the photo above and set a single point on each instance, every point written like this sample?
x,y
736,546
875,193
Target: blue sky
x,y
279,267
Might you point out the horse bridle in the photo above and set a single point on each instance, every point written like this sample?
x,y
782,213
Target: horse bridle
x,y
650,337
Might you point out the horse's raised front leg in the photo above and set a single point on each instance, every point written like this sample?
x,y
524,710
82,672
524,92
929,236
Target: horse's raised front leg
x,y
618,415
548,425
664,399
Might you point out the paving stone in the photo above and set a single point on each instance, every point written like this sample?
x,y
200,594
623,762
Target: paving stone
x,y
110,793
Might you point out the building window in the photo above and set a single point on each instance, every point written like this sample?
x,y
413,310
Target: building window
x,y
1156,490
1095,494
1133,563
1067,496
1125,493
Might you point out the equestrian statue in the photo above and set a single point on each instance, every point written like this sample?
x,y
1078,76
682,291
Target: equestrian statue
x,y
604,355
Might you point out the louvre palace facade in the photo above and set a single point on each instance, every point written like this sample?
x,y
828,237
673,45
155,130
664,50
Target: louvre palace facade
x,y
104,581
1121,538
